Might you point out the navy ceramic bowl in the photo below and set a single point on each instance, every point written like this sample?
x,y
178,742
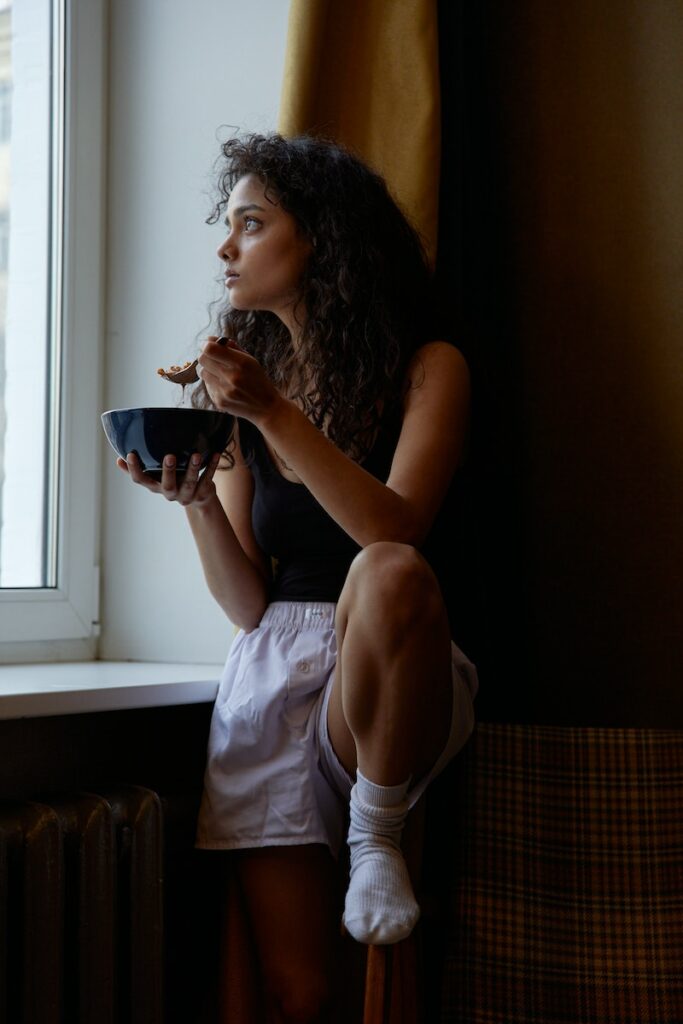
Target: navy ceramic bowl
x,y
153,433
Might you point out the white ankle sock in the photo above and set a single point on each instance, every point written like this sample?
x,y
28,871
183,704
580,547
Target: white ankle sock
x,y
380,905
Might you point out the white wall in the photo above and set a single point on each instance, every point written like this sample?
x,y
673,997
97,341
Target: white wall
x,y
179,71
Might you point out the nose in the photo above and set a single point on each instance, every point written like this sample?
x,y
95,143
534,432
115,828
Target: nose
x,y
227,250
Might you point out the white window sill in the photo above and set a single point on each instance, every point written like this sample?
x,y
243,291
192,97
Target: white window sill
x,y
70,688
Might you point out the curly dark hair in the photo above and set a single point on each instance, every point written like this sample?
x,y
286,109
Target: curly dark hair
x,y
366,286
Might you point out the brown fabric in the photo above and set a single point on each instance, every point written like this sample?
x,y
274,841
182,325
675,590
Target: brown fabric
x,y
366,73
569,879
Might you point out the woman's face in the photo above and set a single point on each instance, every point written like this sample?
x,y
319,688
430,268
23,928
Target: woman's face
x,y
264,253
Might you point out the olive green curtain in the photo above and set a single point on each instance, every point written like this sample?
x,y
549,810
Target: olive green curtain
x,y
366,73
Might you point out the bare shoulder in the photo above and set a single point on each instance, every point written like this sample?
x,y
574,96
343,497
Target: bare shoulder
x,y
434,429
438,367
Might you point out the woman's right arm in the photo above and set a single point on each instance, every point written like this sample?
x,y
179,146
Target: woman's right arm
x,y
219,512
236,570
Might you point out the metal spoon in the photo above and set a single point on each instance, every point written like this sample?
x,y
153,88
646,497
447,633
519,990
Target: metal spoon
x,y
186,374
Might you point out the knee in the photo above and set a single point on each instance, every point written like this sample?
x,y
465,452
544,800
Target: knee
x,y
394,581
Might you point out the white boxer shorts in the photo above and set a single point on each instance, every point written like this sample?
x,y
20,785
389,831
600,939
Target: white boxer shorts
x,y
272,777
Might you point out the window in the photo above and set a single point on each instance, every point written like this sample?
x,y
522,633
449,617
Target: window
x,y
52,92
5,81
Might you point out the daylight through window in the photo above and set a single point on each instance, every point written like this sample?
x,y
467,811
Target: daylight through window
x,y
31,124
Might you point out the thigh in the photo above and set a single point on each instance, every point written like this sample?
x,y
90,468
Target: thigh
x,y
292,899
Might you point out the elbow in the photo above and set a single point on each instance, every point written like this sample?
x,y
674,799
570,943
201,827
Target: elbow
x,y
249,617
246,627
248,623
245,615
404,529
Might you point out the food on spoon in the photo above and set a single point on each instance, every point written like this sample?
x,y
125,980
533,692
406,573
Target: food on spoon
x,y
187,373
173,369
182,375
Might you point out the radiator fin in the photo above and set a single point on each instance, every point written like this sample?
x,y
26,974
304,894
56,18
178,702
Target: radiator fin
x,y
81,918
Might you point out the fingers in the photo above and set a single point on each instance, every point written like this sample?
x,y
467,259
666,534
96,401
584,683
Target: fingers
x,y
221,352
213,361
229,373
180,488
191,487
187,488
215,346
218,378
206,486
136,472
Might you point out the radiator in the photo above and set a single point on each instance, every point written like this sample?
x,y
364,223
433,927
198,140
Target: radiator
x,y
81,909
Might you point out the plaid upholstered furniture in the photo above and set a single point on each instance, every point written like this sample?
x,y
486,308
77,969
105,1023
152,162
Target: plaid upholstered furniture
x,y
568,898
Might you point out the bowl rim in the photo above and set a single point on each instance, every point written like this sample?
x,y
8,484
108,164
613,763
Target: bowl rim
x,y
165,408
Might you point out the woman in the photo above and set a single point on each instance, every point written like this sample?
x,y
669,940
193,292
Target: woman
x,y
343,693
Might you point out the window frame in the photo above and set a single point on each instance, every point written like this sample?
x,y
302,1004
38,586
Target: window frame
x,y
62,623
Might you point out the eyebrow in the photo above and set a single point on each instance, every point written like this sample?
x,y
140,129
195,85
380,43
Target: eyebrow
x,y
239,210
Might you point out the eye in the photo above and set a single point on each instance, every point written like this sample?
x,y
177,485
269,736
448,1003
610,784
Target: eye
x,y
251,224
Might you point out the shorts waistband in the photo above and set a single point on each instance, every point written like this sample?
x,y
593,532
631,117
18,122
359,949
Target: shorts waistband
x,y
300,614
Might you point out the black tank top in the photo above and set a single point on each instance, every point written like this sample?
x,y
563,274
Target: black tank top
x,y
312,552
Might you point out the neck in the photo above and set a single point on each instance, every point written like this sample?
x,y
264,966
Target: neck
x,y
294,319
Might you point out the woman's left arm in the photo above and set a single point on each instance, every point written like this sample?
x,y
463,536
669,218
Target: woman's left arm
x,y
429,448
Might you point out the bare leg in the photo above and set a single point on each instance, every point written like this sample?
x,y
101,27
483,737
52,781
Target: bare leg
x,y
291,893
389,719
240,992
390,706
